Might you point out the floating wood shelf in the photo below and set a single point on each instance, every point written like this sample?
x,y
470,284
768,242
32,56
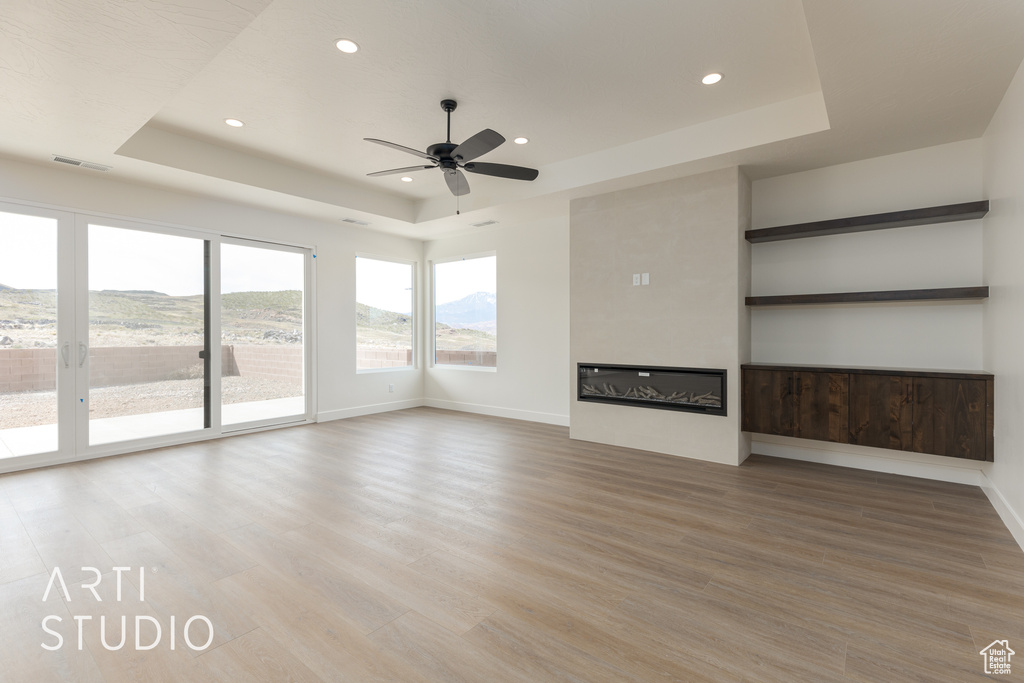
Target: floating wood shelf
x,y
943,294
879,221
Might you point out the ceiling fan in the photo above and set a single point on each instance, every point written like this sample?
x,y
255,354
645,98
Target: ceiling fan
x,y
451,157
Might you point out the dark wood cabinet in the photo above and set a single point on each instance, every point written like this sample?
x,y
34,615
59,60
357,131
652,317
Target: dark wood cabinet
x,y
881,411
807,405
768,393
949,417
940,413
822,412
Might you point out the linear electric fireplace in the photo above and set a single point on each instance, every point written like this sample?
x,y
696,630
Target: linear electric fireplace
x,y
695,390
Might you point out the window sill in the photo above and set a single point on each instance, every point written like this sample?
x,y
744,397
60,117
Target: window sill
x,y
370,371
470,368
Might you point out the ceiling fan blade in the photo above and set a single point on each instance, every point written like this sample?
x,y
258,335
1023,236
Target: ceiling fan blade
x,y
402,148
456,182
478,145
407,169
503,171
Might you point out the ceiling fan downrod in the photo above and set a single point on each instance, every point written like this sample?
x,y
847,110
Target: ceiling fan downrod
x,y
449,106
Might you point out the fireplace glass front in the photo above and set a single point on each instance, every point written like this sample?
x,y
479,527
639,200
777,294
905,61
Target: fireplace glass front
x,y
690,389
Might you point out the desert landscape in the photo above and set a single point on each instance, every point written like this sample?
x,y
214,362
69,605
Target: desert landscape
x,y
131,320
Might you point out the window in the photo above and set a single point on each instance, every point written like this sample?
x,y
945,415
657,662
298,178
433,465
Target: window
x,y
466,312
384,321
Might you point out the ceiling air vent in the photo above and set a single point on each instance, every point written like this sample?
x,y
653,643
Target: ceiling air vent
x,y
353,221
78,162
484,224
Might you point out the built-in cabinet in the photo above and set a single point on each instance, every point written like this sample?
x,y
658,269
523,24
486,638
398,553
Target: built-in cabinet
x,y
790,402
940,413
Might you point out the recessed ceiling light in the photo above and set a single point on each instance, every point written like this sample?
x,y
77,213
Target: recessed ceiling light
x,y
711,79
234,123
521,141
406,179
347,46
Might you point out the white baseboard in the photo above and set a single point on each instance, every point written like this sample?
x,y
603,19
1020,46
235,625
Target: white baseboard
x,y
496,411
890,464
1006,513
358,411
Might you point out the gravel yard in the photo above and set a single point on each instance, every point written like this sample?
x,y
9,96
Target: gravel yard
x,y
30,408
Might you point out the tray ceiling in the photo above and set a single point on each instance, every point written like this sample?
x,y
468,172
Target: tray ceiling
x,y
608,93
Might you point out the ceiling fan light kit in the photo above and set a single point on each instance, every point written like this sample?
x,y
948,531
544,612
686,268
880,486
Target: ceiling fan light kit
x,y
453,158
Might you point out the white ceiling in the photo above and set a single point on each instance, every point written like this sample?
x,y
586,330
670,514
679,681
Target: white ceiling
x,y
608,92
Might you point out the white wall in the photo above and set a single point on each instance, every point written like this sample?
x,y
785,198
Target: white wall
x,y
1004,311
687,234
533,374
935,336
340,391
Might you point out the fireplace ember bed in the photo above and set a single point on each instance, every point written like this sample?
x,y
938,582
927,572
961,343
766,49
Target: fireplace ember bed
x,y
696,390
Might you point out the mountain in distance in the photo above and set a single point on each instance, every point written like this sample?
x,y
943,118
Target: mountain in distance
x,y
476,308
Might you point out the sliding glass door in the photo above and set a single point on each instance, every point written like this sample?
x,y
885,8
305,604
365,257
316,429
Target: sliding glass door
x,y
35,309
146,334
263,294
116,335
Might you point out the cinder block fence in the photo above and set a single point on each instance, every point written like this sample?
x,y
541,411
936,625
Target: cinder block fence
x,y
36,369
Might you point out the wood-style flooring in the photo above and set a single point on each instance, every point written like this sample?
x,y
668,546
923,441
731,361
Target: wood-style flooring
x,y
427,545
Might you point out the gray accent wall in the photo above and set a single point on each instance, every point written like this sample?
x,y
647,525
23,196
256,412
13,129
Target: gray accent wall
x,y
688,235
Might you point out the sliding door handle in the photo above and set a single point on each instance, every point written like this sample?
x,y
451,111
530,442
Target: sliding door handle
x,y
83,351
65,353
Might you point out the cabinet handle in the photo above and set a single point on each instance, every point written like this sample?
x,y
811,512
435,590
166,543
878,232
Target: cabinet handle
x,y
83,351
65,352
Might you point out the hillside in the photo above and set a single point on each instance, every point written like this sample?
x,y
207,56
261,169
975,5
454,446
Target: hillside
x,y
380,329
119,318
463,339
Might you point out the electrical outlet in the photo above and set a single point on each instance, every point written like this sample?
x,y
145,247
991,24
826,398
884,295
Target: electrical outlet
x,y
391,388
636,279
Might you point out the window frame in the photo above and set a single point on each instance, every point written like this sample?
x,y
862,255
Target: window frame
x,y
432,361
414,294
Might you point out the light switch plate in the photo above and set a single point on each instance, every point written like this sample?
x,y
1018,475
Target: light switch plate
x,y
645,279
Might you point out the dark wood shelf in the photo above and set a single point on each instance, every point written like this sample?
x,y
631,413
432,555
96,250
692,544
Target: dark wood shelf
x,y
879,221
942,294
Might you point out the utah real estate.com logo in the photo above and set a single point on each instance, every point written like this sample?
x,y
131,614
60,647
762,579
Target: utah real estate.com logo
x,y
997,657
147,628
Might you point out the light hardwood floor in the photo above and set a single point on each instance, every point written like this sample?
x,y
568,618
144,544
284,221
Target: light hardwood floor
x,y
427,545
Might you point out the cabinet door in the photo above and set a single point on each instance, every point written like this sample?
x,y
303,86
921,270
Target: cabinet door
x,y
949,417
768,402
822,409
881,413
